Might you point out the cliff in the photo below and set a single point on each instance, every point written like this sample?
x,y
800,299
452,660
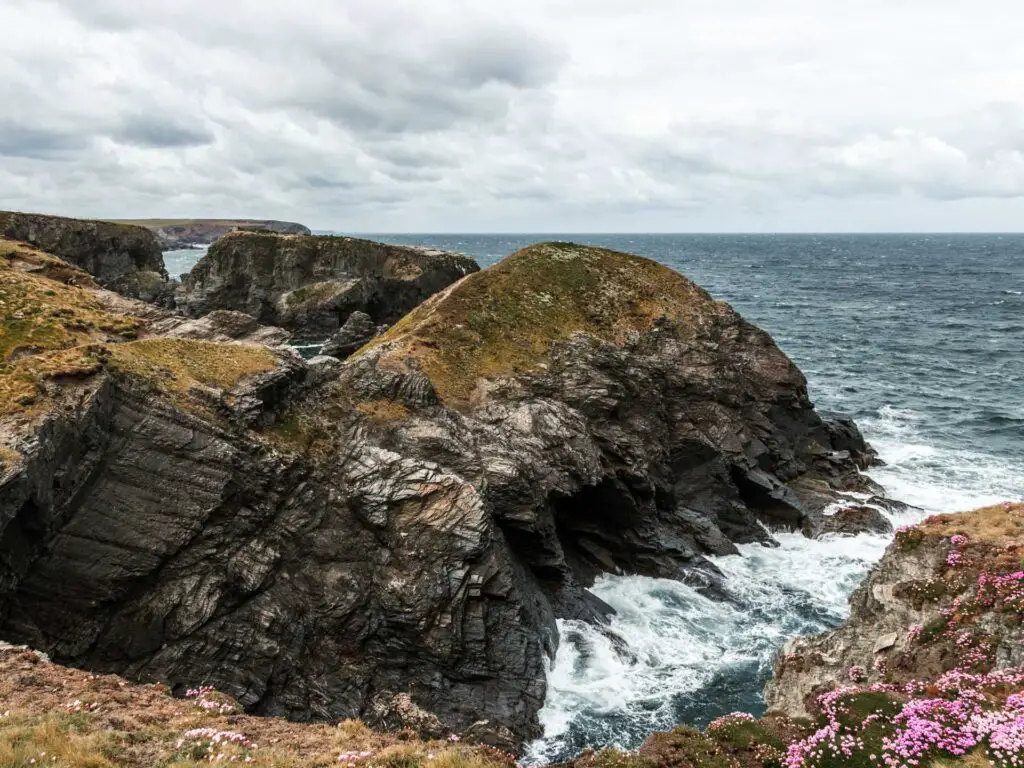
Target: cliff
x,y
310,285
186,233
948,595
391,537
123,258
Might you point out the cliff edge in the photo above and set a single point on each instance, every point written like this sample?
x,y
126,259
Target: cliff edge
x,y
397,533
312,284
123,258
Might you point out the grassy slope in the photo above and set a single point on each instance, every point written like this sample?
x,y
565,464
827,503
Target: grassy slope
x,y
506,318
51,331
52,715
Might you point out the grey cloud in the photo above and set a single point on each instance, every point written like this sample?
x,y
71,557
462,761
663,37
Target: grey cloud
x,y
37,143
156,132
450,114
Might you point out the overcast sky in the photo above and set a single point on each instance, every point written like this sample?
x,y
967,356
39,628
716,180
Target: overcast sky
x,y
531,116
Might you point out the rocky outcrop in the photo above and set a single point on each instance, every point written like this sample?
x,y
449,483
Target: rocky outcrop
x,y
124,258
394,536
175,234
311,285
945,597
357,331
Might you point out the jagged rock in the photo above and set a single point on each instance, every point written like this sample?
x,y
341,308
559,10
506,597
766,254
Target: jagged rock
x,y
223,325
412,522
395,712
897,630
359,329
124,258
310,285
322,368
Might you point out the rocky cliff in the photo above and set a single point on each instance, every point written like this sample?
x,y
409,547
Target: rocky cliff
x,y
123,258
310,285
397,533
187,233
948,595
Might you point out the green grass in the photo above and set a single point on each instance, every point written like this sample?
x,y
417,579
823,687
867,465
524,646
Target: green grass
x,y
506,318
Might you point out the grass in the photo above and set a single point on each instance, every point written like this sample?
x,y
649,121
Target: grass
x,y
21,256
162,223
999,524
383,411
41,314
22,383
102,721
315,294
172,367
52,331
505,319
57,740
177,365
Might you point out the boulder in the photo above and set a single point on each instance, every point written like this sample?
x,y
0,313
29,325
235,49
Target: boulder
x,y
395,535
311,285
358,330
121,257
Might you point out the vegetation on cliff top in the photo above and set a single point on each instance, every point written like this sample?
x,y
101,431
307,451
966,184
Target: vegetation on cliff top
x,y
52,715
506,318
40,312
52,331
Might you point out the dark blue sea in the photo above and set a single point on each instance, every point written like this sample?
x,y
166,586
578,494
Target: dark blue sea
x,y
920,338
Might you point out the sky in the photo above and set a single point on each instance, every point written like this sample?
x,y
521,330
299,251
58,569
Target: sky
x,y
532,116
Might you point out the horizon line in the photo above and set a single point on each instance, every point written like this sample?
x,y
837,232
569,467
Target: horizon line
x,y
362,233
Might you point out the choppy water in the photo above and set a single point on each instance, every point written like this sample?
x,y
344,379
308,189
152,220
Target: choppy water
x,y
921,339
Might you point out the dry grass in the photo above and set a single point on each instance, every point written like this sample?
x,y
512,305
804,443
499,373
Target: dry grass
x,y
23,382
1001,524
383,411
52,740
96,721
178,365
40,314
975,759
23,257
506,318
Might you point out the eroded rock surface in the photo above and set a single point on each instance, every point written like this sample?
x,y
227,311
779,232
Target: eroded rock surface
x,y
397,534
124,258
311,285
358,331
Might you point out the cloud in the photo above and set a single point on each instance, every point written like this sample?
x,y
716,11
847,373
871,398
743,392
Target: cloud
x,y
160,131
542,115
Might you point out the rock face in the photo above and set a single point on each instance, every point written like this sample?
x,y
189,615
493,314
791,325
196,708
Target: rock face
x,y
357,331
946,596
124,258
310,285
187,233
396,533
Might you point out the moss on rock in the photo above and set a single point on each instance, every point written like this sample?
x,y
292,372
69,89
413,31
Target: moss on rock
x,y
507,318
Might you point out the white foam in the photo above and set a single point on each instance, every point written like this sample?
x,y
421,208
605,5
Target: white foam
x,y
682,640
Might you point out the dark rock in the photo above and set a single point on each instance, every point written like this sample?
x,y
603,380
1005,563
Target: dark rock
x,y
412,523
359,330
121,257
311,285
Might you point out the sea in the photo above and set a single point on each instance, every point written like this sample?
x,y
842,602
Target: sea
x,y
919,337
